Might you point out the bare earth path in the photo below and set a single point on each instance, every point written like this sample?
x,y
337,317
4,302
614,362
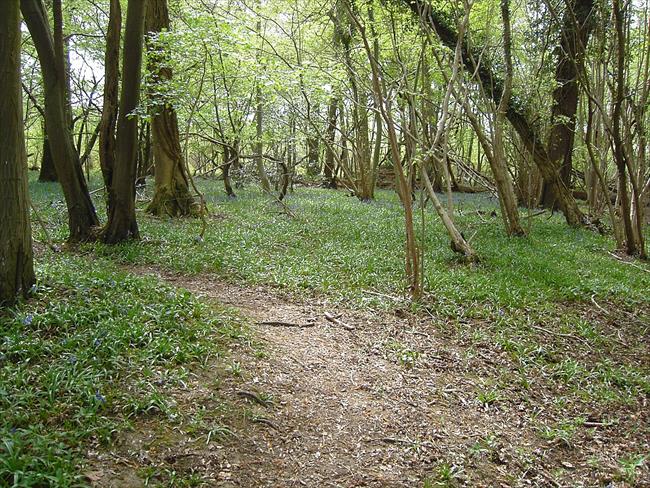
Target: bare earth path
x,y
390,403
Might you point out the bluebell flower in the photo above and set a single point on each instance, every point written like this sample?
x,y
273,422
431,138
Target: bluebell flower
x,y
28,320
99,397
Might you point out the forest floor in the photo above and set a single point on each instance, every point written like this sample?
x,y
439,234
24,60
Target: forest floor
x,y
333,397
295,358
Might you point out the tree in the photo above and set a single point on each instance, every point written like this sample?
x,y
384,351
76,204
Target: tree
x,y
259,117
16,262
171,193
545,156
48,172
122,223
82,218
108,120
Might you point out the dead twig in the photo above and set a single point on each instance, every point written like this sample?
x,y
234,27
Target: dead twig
x,y
618,258
265,421
254,397
395,440
277,323
337,321
50,242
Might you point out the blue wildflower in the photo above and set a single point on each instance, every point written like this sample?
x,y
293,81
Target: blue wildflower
x,y
99,397
28,320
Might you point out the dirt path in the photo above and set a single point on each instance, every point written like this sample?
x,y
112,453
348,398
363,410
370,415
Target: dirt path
x,y
387,404
343,414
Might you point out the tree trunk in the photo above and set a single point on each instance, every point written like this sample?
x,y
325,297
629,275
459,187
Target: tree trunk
x,y
172,195
16,262
344,29
259,144
48,172
329,168
145,158
259,116
313,152
122,224
505,189
81,212
60,54
634,244
570,54
228,157
108,121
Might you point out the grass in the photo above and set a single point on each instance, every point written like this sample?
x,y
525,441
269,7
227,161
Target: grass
x,y
343,248
93,349
347,251
569,320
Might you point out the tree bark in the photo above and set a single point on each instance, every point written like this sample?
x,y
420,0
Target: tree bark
x,y
505,188
122,224
634,244
81,213
108,121
172,195
48,172
229,155
16,261
60,54
329,168
575,32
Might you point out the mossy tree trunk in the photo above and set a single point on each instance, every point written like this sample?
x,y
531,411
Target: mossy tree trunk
x,y
172,195
16,262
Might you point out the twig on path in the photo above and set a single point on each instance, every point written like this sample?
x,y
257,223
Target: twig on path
x,y
253,397
395,440
336,321
265,421
278,323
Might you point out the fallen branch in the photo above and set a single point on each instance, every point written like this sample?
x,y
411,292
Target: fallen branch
x,y
394,440
265,421
276,323
253,397
618,258
336,321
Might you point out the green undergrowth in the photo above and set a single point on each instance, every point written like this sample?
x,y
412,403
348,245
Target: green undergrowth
x,y
90,352
569,320
348,250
